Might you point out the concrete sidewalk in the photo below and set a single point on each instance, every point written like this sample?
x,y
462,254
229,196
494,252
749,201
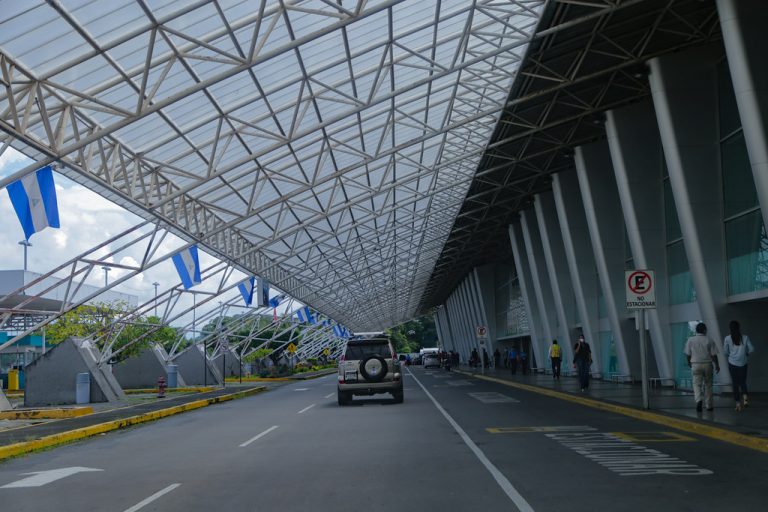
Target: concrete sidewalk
x,y
752,421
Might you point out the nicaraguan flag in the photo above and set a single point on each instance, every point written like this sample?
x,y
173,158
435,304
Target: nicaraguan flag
x,y
263,295
305,315
34,199
276,300
188,265
246,290
337,330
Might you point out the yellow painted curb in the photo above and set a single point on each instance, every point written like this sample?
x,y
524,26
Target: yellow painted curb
x,y
14,394
46,414
200,389
14,450
719,434
256,379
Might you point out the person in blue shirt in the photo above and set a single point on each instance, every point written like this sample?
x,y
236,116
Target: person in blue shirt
x,y
513,360
737,348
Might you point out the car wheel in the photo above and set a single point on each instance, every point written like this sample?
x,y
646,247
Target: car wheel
x,y
344,397
398,396
373,368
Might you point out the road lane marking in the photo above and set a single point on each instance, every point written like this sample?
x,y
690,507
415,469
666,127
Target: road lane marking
x,y
522,430
457,383
301,389
719,434
40,478
259,436
653,437
491,397
625,457
329,395
143,503
505,484
306,409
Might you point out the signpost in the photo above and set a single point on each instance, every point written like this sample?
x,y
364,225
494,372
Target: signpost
x,y
641,295
482,338
291,348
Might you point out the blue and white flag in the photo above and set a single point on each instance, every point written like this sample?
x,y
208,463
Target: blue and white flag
x,y
34,199
188,265
246,290
262,296
276,300
305,315
337,330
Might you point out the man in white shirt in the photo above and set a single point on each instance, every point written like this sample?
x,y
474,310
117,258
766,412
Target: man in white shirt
x,y
701,353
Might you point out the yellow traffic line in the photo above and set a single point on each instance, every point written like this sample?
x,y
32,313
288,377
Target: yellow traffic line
x,y
717,433
46,414
257,379
199,389
17,449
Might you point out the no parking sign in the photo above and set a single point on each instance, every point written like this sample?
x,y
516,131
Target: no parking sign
x,y
641,289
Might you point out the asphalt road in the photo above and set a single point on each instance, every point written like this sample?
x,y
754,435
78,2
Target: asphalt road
x,y
295,449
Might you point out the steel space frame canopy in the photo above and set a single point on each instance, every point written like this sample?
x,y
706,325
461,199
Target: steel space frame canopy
x,y
327,145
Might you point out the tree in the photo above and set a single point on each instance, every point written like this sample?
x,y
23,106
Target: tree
x,y
101,322
414,334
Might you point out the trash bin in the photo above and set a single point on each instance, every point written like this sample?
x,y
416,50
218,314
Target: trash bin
x,y
173,376
83,388
13,380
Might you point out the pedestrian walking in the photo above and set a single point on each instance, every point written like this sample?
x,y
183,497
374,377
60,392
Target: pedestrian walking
x,y
473,358
737,348
555,355
513,360
524,361
582,360
496,358
701,353
486,361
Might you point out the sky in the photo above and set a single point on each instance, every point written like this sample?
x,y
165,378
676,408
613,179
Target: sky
x,y
87,219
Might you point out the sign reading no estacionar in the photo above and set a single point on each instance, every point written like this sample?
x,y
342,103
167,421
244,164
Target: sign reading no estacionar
x,y
641,289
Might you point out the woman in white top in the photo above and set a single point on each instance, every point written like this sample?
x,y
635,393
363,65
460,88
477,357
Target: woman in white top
x,y
737,348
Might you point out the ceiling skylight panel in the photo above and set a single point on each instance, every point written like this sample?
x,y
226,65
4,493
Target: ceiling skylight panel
x,y
369,31
107,21
40,46
409,15
197,23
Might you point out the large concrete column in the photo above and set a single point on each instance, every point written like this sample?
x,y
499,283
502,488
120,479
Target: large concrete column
x,y
683,87
442,339
636,153
578,252
743,25
457,322
466,311
486,283
477,316
557,268
484,317
522,268
540,283
445,327
606,230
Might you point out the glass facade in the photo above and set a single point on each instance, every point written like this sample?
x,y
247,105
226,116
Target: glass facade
x,y
681,290
746,243
609,361
511,319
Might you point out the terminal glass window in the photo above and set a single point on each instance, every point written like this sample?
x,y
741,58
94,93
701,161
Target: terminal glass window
x,y
746,244
681,290
609,361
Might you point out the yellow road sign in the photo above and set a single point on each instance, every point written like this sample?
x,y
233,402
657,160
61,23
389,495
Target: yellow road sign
x,y
326,352
291,348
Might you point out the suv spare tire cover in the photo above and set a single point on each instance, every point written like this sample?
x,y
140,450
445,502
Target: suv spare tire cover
x,y
373,368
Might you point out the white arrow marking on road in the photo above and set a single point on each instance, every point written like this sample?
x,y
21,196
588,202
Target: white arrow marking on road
x,y
40,478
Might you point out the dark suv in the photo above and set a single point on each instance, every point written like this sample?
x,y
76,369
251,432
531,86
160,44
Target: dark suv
x,y
369,367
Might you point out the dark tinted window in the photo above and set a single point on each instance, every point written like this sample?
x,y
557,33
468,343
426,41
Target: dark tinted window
x,y
363,350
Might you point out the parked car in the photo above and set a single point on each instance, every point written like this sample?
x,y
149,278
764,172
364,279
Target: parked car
x,y
431,361
369,367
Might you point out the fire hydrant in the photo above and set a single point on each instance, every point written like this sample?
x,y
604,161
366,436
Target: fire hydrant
x,y
161,385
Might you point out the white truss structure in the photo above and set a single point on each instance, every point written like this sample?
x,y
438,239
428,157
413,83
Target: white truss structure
x,y
326,145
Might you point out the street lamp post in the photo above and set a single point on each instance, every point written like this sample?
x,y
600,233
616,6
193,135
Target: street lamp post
x,y
106,275
155,284
26,245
